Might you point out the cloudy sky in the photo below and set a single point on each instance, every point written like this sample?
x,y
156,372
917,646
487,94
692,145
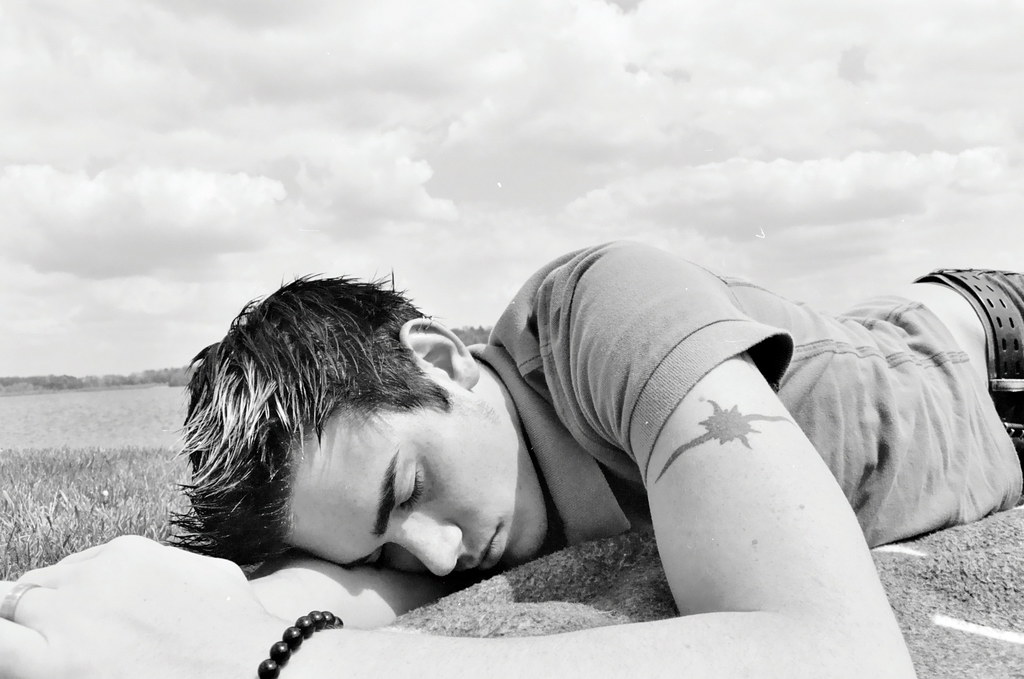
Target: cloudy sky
x,y
164,161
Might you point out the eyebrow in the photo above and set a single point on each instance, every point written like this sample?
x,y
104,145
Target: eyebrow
x,y
384,506
387,498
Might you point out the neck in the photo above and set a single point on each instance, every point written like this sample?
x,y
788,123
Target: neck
x,y
492,390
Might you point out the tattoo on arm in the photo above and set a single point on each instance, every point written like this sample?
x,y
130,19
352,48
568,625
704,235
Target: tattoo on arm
x,y
723,426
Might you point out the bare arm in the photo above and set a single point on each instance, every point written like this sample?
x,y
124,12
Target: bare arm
x,y
761,549
763,553
369,597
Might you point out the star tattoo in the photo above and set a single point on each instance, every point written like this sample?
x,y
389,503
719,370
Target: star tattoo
x,y
723,426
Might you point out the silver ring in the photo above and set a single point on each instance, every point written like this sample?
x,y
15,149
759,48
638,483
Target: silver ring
x,y
11,599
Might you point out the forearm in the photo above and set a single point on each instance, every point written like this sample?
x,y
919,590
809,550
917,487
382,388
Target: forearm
x,y
365,597
708,645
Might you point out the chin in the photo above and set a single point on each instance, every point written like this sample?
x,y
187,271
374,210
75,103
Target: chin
x,y
526,547
510,560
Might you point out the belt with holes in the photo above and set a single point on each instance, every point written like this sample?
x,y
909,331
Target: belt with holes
x,y
998,298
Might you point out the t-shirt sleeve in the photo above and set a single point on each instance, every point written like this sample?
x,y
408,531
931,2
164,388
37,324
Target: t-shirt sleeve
x,y
623,332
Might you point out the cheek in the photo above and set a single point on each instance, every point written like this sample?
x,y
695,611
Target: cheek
x,y
400,559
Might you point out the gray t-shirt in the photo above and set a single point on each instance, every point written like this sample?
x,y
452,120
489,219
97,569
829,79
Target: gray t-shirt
x,y
611,338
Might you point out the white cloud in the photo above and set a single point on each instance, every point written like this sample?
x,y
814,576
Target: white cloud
x,y
739,197
121,223
365,185
164,162
852,65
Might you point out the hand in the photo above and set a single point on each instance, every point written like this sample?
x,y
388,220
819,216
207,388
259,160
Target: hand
x,y
134,608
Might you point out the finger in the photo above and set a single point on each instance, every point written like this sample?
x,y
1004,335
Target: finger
x,y
84,555
22,648
23,652
50,576
225,565
36,608
16,615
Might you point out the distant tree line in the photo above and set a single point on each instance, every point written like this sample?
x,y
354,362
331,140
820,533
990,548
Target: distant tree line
x,y
471,334
174,377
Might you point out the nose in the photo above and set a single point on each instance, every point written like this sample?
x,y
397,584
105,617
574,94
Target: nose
x,y
437,544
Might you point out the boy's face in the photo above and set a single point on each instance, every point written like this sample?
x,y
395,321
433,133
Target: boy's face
x,y
420,490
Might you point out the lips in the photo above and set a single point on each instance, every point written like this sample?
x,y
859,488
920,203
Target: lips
x,y
495,548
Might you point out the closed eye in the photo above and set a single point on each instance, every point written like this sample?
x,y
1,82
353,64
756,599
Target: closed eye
x,y
416,494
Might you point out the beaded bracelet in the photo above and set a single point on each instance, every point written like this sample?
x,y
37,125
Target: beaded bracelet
x,y
292,639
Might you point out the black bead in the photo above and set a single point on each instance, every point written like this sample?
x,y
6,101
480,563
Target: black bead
x,y
268,669
293,637
328,619
280,652
319,621
305,623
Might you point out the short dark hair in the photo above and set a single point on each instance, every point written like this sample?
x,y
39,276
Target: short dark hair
x,y
315,347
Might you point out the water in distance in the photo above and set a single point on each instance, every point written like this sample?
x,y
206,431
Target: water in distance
x,y
111,418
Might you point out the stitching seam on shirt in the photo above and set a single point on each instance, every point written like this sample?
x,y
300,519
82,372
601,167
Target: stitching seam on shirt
x,y
803,352
529,364
743,283
647,383
896,313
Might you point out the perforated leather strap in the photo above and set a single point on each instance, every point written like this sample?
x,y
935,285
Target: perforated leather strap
x,y
998,298
998,303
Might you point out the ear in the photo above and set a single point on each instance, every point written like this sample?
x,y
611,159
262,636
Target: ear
x,y
438,350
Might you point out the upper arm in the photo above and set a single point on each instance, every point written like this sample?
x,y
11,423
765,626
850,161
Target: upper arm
x,y
620,331
365,597
747,515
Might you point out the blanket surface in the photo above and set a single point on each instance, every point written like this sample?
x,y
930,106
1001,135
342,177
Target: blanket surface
x,y
958,594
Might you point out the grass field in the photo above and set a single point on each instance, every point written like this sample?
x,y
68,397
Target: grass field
x,y
57,501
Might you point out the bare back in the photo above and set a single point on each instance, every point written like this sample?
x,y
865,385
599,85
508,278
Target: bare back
x,y
959,317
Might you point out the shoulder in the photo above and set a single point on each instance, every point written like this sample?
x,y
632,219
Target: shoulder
x,y
613,272
603,291
614,256
620,259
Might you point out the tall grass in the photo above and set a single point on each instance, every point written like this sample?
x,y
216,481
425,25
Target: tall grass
x,y
57,501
